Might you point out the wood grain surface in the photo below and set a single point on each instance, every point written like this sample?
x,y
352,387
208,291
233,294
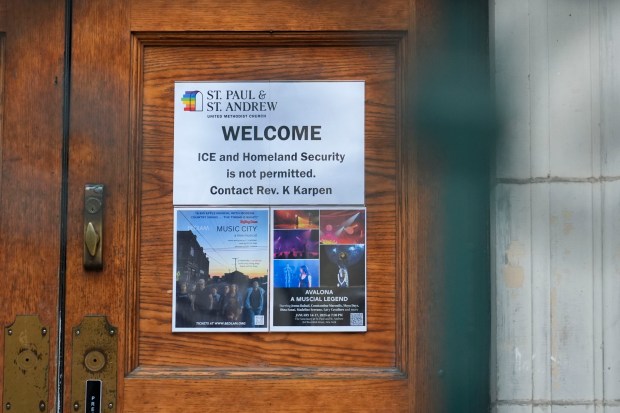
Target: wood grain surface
x,y
126,56
135,287
275,15
31,92
162,66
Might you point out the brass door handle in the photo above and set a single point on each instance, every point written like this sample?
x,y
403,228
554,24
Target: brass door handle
x,y
93,226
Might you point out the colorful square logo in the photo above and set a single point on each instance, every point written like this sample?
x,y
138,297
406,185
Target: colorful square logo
x,y
192,100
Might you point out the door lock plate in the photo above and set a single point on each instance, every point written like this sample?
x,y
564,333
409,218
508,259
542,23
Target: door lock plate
x,y
93,227
94,360
26,365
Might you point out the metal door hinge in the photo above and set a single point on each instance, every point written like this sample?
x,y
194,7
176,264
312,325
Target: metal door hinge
x,y
26,365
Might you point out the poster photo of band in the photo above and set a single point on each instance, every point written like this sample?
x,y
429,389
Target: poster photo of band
x,y
318,270
221,267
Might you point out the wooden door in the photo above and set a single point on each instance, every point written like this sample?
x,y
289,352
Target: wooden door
x,y
31,179
124,59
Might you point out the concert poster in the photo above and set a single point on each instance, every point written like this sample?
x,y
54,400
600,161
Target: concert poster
x,y
318,269
221,270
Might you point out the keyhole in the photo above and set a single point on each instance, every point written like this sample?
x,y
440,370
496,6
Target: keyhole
x,y
93,205
26,359
94,360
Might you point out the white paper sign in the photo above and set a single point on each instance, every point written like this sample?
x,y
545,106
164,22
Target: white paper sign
x,y
269,143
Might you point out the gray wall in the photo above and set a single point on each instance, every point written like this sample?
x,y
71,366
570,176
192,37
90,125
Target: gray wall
x,y
556,206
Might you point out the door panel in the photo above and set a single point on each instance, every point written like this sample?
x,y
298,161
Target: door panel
x,y
162,65
31,134
99,152
315,394
276,15
122,136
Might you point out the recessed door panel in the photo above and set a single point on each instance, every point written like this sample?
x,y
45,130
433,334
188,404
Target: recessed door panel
x,y
162,66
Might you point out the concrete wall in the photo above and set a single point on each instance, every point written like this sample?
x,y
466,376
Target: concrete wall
x,y
556,207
